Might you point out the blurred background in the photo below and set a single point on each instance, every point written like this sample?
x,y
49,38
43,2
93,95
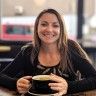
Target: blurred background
x,y
17,19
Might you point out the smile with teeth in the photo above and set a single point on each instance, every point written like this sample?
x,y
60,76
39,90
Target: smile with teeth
x,y
49,35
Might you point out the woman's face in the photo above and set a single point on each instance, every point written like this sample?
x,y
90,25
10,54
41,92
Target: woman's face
x,y
48,28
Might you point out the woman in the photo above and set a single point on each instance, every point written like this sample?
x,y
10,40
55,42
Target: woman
x,y
51,53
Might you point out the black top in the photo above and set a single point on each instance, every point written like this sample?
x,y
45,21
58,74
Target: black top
x,y
22,66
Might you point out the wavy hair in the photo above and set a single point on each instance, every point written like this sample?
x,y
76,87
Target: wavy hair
x,y
65,62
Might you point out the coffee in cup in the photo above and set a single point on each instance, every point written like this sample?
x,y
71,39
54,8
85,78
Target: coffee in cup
x,y
40,85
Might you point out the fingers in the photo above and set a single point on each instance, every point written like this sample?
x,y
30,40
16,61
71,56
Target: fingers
x,y
60,86
57,86
28,78
22,90
23,84
56,78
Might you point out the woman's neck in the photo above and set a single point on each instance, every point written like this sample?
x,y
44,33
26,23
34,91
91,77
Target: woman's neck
x,y
49,49
49,55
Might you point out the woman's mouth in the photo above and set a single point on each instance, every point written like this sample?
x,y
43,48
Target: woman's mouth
x,y
49,35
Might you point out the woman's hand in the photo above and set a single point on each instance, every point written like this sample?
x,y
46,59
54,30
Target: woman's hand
x,y
60,86
23,84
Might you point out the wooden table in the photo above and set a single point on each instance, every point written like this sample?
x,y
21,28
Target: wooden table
x,y
87,93
6,92
90,93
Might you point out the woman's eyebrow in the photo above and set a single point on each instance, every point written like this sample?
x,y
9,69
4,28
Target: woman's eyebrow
x,y
43,21
50,22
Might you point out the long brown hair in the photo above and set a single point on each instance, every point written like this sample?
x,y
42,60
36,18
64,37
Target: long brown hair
x,y
65,61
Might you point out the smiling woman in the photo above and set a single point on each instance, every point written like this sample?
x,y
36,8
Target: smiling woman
x,y
48,28
51,53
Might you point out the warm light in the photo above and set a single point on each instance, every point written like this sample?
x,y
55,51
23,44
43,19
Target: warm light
x,y
4,48
39,2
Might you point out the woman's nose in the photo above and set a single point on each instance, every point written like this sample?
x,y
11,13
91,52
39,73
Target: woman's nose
x,y
49,28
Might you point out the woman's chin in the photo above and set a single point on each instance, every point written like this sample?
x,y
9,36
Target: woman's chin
x,y
49,42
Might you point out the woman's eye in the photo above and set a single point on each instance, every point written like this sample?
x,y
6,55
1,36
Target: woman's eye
x,y
44,24
56,25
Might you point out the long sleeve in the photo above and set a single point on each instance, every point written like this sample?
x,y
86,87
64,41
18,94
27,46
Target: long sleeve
x,y
8,82
9,75
88,82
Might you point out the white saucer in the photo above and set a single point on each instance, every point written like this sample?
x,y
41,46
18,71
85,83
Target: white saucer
x,y
41,94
